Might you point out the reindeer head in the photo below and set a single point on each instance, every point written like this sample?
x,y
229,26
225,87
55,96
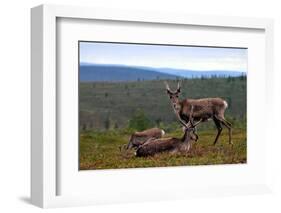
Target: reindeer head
x,y
174,95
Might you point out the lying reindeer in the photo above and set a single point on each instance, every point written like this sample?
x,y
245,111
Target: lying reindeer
x,y
138,138
172,145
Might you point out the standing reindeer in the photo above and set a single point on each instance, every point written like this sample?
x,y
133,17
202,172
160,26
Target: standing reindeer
x,y
172,145
204,109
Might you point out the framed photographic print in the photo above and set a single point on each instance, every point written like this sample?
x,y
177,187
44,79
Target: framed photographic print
x,y
149,106
124,106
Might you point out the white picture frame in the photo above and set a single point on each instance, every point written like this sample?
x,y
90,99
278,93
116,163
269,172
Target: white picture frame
x,y
44,149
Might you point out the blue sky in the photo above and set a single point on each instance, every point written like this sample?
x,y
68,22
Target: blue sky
x,y
161,56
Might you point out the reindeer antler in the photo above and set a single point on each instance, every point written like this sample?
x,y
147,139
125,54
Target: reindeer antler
x,y
190,123
190,120
179,86
182,122
167,85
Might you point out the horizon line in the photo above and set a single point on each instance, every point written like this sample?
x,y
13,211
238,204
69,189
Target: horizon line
x,y
127,65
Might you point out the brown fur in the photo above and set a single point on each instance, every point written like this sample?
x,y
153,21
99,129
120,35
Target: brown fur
x,y
172,145
203,110
138,138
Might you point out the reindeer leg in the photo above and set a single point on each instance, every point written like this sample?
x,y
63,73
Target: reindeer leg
x,y
228,125
227,122
219,128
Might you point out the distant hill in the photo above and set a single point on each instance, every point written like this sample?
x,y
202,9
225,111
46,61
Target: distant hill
x,y
111,73
120,73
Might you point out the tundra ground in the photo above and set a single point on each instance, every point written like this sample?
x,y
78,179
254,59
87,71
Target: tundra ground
x,y
100,150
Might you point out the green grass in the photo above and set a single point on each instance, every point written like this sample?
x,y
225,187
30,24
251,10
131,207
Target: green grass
x,y
100,150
